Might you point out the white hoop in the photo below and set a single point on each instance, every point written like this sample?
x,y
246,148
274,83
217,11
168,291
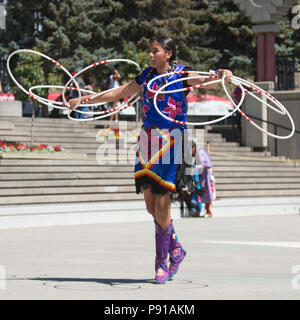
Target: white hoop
x,y
285,112
107,113
51,102
257,89
235,80
160,91
35,97
206,75
65,105
54,104
72,78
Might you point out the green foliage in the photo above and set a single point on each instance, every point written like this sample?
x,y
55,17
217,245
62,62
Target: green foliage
x,y
132,53
29,72
284,44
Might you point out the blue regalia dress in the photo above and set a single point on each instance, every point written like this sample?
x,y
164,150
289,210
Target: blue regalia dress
x,y
159,159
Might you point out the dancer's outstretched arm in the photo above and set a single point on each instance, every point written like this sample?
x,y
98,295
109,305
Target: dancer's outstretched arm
x,y
222,72
121,92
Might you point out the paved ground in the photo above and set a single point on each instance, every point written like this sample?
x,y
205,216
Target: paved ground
x,y
228,258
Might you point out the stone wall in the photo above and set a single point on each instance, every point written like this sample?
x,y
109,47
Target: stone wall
x,y
254,138
11,109
290,147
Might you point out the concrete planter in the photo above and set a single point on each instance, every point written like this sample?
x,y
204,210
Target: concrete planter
x,y
11,109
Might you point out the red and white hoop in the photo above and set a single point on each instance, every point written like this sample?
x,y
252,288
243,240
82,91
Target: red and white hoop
x,y
85,102
34,96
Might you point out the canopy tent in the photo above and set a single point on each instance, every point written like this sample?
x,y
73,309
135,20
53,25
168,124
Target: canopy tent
x,y
200,105
53,96
208,105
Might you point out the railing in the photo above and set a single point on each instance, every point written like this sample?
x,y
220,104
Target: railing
x,y
276,126
285,73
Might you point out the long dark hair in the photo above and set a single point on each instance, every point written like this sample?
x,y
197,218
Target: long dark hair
x,y
167,44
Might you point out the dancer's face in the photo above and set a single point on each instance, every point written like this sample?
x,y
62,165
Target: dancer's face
x,y
158,57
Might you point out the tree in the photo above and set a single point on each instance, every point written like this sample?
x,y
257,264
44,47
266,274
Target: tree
x,y
77,33
72,31
28,72
206,32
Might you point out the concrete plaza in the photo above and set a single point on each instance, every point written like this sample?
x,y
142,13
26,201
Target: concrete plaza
x,y
245,257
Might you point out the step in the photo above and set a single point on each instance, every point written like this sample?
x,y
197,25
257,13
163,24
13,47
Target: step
x,y
221,127
67,161
48,134
257,169
64,169
63,141
48,162
56,120
255,163
259,174
22,157
92,148
258,186
275,180
71,175
231,155
76,141
67,183
229,149
208,135
66,190
50,130
258,193
72,124
72,198
214,139
213,155
217,144
131,189
7,125
252,155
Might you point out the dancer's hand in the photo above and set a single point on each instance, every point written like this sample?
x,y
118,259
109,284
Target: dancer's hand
x,y
73,103
227,73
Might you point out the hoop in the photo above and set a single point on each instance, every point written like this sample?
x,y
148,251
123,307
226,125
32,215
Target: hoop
x,y
284,111
35,97
64,104
235,80
206,75
97,104
72,78
259,90
239,83
122,107
54,104
211,76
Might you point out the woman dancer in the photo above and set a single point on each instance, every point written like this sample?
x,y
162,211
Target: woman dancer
x,y
157,179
